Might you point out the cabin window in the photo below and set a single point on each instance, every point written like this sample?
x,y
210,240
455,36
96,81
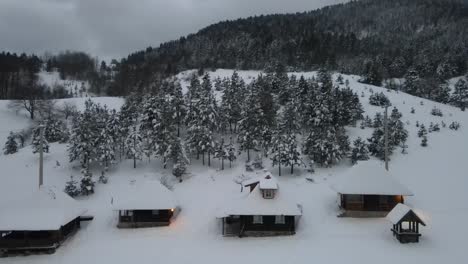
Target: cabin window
x,y
258,219
155,212
280,219
268,193
128,213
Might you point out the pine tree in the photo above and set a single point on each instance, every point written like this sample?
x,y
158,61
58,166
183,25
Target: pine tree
x,y
200,134
54,129
326,145
11,146
397,134
231,153
422,131
179,159
250,126
71,188
87,183
81,145
222,152
36,142
278,154
231,103
460,95
134,145
377,144
424,141
360,151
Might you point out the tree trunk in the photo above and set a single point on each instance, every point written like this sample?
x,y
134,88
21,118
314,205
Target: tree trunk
x,y
209,159
222,164
203,158
292,168
164,160
279,168
248,155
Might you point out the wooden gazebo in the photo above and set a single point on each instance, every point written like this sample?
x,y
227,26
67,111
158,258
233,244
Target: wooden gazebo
x,y
368,190
260,211
144,204
40,222
405,223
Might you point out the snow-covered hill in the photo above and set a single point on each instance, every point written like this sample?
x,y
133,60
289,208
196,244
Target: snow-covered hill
x,y
53,81
436,174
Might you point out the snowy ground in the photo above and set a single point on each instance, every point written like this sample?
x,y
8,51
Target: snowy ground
x,y
436,174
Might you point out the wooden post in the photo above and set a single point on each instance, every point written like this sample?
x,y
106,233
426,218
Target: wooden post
x,y
41,156
386,136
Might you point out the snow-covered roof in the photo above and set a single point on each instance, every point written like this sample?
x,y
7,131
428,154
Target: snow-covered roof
x,y
370,178
45,209
268,183
254,204
400,211
144,195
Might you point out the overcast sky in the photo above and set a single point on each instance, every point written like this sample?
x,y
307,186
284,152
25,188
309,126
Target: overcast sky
x,y
114,28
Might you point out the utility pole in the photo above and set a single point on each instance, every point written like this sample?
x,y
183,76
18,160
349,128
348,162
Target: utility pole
x,y
386,136
41,155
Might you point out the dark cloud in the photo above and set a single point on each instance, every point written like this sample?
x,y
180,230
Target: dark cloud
x,y
114,28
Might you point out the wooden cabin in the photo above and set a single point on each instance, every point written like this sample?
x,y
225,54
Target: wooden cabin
x,y
261,211
368,190
405,223
144,204
39,223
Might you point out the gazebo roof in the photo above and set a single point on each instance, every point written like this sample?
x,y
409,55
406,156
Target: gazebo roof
x,y
369,178
402,212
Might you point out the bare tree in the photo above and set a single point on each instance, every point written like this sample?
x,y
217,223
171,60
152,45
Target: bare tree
x,y
68,109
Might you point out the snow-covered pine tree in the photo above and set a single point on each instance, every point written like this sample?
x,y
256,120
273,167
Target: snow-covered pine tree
x,y
460,94
10,146
278,152
105,141
250,128
377,143
232,155
397,134
87,183
178,105
424,141
422,131
359,151
84,134
128,117
71,187
231,101
379,99
221,152
268,107
326,145
192,97
179,159
36,141
200,134
54,129
134,145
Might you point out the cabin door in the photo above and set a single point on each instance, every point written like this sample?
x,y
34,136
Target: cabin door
x,y
371,202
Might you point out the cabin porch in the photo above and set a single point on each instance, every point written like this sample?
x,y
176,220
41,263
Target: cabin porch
x,y
257,226
36,241
144,218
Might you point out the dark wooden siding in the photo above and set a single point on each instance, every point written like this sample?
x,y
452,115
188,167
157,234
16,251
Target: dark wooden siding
x,y
370,202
